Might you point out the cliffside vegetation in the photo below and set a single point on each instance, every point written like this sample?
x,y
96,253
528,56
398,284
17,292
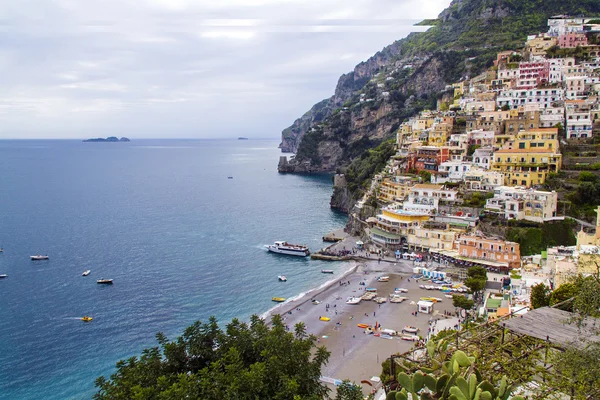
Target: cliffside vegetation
x,y
370,163
534,238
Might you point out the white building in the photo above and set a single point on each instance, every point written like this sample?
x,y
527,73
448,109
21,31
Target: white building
x,y
483,180
578,119
551,116
425,198
482,157
562,24
524,204
451,171
544,97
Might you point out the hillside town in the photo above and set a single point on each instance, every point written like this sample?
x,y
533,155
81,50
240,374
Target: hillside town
x,y
485,154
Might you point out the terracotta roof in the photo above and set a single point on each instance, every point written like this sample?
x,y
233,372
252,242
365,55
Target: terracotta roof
x,y
428,186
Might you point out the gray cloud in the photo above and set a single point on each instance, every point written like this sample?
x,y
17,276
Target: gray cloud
x,y
183,68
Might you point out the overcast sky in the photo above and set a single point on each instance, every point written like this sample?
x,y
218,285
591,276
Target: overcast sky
x,y
183,68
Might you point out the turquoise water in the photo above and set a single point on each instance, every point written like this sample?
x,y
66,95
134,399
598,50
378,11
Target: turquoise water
x,y
181,241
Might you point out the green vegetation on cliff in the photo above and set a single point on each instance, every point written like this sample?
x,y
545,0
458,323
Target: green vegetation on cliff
x,y
534,238
371,162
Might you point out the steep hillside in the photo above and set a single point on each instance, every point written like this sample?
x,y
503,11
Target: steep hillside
x,y
370,102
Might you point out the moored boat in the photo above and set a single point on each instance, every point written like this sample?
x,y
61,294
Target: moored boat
x,y
383,279
363,325
278,299
323,318
400,290
282,278
410,329
353,300
105,281
327,271
86,319
282,247
411,338
39,257
86,272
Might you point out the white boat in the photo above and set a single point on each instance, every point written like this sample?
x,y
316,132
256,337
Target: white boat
x,y
282,247
411,338
353,300
3,276
410,329
400,290
282,278
39,257
86,273
327,271
383,279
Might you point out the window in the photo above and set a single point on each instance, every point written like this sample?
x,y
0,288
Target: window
x,y
521,145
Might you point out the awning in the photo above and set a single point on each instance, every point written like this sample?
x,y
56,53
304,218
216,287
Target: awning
x,y
398,252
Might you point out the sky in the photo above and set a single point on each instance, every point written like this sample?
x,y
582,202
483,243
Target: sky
x,y
183,68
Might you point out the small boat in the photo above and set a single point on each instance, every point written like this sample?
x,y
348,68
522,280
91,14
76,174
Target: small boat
x,y
363,325
39,257
316,302
1,249
383,279
105,281
322,318
86,319
282,278
278,299
3,276
86,272
448,296
410,329
411,338
400,290
230,177
432,299
327,271
282,247
370,289
380,300
353,300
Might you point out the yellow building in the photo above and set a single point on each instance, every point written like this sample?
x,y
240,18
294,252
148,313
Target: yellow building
x,y
527,159
538,45
590,239
421,238
439,134
395,189
391,227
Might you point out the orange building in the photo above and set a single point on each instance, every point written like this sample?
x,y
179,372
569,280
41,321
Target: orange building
x,y
494,253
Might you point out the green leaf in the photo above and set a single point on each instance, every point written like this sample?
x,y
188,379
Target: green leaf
x,y
405,381
502,388
457,393
472,385
477,394
401,396
430,382
430,348
441,383
485,396
391,395
462,384
462,358
417,381
488,387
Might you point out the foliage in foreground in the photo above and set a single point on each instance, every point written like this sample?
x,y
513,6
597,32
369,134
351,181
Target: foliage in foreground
x,y
459,380
246,361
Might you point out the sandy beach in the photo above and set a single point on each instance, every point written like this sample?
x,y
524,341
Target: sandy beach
x,y
355,355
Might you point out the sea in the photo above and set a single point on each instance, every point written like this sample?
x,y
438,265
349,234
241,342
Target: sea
x,y
181,239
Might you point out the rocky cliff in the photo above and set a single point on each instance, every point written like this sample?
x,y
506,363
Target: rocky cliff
x,y
370,102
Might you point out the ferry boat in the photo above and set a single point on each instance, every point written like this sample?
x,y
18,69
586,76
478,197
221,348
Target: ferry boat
x,y
39,257
283,247
105,281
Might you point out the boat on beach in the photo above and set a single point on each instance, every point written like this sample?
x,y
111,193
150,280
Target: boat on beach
x,y
282,278
86,272
353,300
411,338
323,318
39,257
282,247
315,302
363,325
87,319
410,329
383,279
278,299
327,271
105,281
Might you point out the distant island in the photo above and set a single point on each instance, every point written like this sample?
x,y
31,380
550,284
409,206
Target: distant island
x,y
108,139
242,138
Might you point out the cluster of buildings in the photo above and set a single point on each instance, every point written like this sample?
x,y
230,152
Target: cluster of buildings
x,y
499,135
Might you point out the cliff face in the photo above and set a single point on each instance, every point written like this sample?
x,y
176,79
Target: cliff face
x,y
370,102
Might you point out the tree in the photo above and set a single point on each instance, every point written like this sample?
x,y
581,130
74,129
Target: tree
x,y
587,176
425,175
540,295
462,302
349,391
476,281
562,293
246,361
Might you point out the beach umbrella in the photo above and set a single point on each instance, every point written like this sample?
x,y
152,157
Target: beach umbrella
x,y
397,252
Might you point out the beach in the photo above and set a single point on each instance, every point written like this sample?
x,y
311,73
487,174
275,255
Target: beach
x,y
355,355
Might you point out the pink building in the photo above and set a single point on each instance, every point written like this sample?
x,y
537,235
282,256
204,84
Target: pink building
x,y
572,40
532,74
